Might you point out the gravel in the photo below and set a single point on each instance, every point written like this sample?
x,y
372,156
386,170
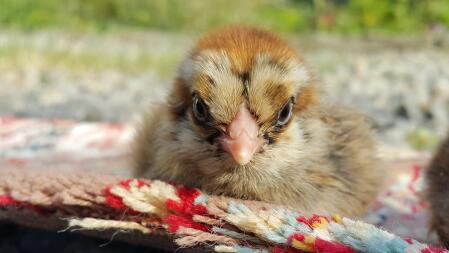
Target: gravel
x,y
113,77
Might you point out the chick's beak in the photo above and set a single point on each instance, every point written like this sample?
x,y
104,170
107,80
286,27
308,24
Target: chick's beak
x,y
241,141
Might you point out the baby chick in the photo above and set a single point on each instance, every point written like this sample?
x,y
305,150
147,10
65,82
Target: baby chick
x,y
438,192
246,119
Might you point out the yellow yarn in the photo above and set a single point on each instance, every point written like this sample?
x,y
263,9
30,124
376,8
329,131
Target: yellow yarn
x,y
306,245
225,249
337,218
309,240
258,223
100,224
147,199
321,224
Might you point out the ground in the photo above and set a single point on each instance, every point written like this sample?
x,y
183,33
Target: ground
x,y
402,84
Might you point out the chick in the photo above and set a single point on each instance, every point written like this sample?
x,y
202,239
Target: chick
x,y
438,192
246,119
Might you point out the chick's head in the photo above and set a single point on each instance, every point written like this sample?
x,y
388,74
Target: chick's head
x,y
240,92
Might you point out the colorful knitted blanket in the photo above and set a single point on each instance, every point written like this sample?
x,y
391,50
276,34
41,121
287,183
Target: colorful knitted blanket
x,y
160,214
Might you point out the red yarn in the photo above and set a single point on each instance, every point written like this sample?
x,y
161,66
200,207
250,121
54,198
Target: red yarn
x,y
116,202
409,240
16,162
185,209
174,222
126,183
309,221
322,246
296,236
186,206
6,200
112,200
430,249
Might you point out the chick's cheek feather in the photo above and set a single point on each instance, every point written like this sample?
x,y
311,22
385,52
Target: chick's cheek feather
x,y
246,119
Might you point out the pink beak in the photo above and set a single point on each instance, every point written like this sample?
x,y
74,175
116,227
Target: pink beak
x,y
241,141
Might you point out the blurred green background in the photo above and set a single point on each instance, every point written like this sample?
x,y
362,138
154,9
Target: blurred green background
x,y
340,16
103,60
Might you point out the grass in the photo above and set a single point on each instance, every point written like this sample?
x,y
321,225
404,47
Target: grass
x,y
17,53
422,139
289,16
163,65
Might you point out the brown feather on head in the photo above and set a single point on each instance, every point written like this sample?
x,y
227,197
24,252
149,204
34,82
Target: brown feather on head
x,y
236,70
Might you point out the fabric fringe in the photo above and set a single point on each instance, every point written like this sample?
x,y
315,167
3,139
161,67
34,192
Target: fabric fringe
x,y
194,218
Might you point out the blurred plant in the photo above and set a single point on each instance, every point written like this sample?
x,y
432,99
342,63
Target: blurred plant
x,y
343,16
422,139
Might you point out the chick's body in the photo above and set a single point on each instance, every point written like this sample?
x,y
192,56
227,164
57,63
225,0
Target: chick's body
x,y
246,119
438,192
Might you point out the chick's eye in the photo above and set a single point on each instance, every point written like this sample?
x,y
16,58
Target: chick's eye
x,y
285,113
199,108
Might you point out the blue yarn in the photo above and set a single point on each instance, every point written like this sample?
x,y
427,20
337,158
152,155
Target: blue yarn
x,y
377,244
281,234
237,208
372,240
290,217
232,208
275,237
286,230
235,234
345,237
201,199
241,249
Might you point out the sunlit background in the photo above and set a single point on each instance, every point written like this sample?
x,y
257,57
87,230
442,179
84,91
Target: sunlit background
x,y
100,60
104,62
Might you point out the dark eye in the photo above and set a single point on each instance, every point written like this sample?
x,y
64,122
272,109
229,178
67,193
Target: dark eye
x,y
199,108
285,113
